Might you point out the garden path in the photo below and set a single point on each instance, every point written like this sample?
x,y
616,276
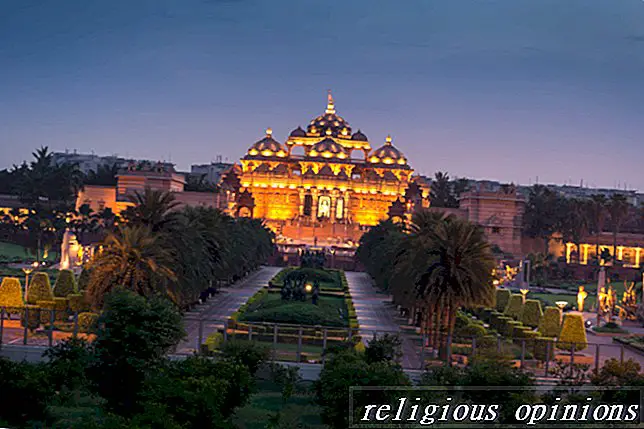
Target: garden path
x,y
376,316
220,307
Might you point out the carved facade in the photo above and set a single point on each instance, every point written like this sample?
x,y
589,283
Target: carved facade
x,y
329,194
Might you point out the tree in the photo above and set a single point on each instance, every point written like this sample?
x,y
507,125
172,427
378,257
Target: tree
x,y
132,259
152,208
618,209
441,191
576,223
133,336
104,175
457,271
348,368
598,219
542,217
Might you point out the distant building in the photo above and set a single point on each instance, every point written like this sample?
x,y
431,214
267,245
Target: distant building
x,y
212,172
90,162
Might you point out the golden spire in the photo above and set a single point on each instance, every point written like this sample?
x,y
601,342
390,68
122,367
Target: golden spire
x,y
388,141
330,107
269,132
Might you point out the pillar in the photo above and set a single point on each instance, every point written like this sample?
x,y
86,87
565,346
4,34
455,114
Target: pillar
x,y
301,194
314,204
637,257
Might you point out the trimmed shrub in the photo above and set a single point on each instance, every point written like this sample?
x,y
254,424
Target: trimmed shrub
x,y
77,303
84,278
214,341
502,299
541,346
39,289
488,341
572,332
519,331
32,313
65,284
60,305
550,323
509,328
515,307
486,314
87,322
469,331
531,313
360,347
46,307
502,324
11,294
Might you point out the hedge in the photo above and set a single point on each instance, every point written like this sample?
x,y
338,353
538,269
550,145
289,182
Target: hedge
x,y
502,299
83,279
77,303
469,331
65,284
572,332
214,341
61,305
11,294
39,289
509,328
46,307
87,322
32,312
531,313
515,307
540,347
550,323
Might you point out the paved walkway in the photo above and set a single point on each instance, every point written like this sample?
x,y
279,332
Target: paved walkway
x,y
220,307
375,315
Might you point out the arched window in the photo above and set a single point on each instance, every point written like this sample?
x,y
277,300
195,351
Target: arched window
x,y
339,208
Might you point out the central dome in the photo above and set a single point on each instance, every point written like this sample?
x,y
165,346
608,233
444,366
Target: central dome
x,y
329,121
328,148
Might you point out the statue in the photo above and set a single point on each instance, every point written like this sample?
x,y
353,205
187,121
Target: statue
x,y
581,297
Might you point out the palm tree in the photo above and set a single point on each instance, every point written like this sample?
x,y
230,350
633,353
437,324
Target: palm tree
x,y
598,218
441,191
458,270
104,175
618,209
153,208
132,259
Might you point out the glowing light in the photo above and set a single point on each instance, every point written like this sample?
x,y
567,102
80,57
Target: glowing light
x,y
309,287
561,304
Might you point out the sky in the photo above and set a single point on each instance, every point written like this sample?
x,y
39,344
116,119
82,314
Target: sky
x,y
522,91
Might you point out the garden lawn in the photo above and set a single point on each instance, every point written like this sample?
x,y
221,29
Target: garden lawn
x,y
551,298
330,311
10,251
268,401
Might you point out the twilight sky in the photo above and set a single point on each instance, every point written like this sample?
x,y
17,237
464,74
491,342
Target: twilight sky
x,y
505,90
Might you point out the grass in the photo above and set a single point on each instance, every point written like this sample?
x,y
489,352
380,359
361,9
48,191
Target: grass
x,y
551,298
330,311
12,251
610,330
300,408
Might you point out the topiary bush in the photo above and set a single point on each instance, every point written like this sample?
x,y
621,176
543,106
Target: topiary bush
x,y
11,295
39,289
46,307
469,331
572,332
31,317
83,278
543,344
550,323
61,305
77,303
515,307
213,342
502,299
531,313
87,322
65,284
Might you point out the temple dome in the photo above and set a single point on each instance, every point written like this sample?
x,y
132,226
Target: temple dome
x,y
329,121
387,154
359,136
298,132
328,148
267,146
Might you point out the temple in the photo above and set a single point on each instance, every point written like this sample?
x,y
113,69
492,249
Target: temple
x,y
329,193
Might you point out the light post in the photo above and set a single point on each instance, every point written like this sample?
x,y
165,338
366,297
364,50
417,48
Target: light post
x,y
27,271
524,292
561,305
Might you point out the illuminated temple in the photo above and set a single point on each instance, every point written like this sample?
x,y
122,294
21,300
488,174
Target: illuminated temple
x,y
331,191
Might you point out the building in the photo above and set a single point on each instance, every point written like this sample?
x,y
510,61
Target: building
x,y
211,173
91,162
329,194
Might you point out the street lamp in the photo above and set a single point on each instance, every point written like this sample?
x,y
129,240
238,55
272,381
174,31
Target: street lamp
x,y
308,287
561,304
27,271
524,292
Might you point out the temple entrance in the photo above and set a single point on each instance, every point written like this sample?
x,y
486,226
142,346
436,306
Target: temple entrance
x,y
324,207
